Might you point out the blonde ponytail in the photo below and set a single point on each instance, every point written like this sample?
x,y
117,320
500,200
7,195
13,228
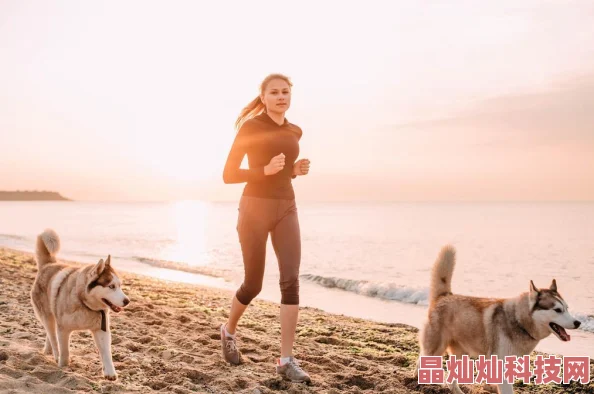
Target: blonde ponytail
x,y
254,108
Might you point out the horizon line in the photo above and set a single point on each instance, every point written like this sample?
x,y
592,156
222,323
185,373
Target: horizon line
x,y
317,201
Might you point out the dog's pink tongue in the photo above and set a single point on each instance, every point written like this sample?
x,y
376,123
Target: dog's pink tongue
x,y
564,334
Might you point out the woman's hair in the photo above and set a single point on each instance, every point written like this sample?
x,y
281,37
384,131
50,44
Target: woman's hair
x,y
256,106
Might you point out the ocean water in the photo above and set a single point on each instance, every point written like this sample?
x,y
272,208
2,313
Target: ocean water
x,y
369,260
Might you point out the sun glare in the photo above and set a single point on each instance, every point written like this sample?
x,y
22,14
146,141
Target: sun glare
x,y
190,244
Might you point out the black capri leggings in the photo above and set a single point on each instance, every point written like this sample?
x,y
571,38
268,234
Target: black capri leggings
x,y
258,217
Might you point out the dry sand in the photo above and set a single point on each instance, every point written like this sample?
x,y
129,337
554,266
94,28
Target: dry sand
x,y
167,340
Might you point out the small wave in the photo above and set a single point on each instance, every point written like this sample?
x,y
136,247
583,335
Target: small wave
x,y
587,321
385,291
174,265
14,236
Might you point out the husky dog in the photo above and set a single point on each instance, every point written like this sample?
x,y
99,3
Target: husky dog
x,y
475,326
67,298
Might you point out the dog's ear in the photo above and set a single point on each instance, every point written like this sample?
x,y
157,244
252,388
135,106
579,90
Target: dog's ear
x,y
553,286
108,261
533,289
98,269
533,294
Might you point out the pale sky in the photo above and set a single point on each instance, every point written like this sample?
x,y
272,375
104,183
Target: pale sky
x,y
398,100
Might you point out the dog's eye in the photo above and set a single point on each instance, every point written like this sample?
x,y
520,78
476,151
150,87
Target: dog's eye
x,y
558,310
112,287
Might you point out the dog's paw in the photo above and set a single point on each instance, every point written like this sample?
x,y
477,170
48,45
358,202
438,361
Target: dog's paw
x,y
109,373
110,376
63,363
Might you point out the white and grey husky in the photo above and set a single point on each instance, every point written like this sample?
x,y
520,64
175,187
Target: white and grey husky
x,y
67,298
474,326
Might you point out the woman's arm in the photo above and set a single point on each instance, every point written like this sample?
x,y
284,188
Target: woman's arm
x,y
296,168
232,173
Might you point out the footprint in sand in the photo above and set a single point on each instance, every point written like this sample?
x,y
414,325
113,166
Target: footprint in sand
x,y
48,375
277,383
196,376
132,346
187,359
255,357
146,339
204,341
12,373
184,319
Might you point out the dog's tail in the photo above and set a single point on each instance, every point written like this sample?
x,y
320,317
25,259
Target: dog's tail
x,y
48,245
441,274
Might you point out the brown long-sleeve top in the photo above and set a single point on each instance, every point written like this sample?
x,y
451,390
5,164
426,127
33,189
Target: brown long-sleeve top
x,y
261,138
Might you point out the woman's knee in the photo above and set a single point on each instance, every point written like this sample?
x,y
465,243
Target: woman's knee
x,y
290,291
248,291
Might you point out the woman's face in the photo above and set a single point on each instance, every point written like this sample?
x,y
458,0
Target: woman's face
x,y
277,96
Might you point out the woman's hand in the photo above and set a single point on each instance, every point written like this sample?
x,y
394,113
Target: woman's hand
x,y
301,167
276,164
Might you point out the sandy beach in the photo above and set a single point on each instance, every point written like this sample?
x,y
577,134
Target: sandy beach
x,y
167,340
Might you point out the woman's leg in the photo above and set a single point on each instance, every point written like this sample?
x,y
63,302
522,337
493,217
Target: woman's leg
x,y
286,240
253,236
237,309
289,314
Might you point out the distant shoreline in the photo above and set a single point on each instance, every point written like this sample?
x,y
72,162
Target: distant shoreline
x,y
31,196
